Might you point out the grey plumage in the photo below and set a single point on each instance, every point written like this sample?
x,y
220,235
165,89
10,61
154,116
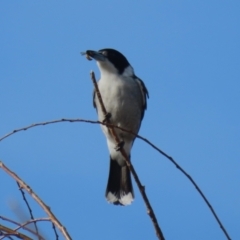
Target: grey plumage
x,y
124,96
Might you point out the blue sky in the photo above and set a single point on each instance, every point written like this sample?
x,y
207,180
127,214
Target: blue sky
x,y
188,55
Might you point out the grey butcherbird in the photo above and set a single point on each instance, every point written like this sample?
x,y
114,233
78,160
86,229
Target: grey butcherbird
x,y
124,96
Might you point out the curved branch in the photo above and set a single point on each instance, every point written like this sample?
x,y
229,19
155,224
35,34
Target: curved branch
x,y
47,123
137,136
31,221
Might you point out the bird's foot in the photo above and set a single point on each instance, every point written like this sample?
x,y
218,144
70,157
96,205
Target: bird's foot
x,y
119,146
107,117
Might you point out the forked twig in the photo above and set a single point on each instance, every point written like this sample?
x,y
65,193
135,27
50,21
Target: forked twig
x,y
9,232
19,224
130,166
31,221
23,225
54,220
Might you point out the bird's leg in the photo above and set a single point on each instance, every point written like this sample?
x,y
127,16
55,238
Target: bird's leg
x,y
107,117
119,146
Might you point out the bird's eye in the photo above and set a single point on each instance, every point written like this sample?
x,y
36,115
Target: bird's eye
x,y
104,53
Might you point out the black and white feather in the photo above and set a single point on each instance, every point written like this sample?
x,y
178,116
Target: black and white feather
x,y
125,98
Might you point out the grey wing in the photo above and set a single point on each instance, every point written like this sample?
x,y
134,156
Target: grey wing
x,y
145,94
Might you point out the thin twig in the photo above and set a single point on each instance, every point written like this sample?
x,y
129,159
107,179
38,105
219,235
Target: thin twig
x,y
18,224
150,210
7,232
1,233
32,221
47,123
56,222
29,209
14,231
55,231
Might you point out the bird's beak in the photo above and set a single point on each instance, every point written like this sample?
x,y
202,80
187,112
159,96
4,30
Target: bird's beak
x,y
95,55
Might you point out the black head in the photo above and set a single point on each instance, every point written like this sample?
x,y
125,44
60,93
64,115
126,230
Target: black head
x,y
118,60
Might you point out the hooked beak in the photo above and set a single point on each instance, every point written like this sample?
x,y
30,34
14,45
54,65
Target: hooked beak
x,y
95,55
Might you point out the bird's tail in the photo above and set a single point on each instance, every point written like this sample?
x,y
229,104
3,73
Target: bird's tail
x,y
119,188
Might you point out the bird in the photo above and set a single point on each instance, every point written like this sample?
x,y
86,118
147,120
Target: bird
x,y
125,98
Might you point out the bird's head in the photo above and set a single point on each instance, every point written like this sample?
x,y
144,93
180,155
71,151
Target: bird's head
x,y
111,61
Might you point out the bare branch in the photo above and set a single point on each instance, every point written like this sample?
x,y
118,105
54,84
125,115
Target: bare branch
x,y
56,222
9,232
2,233
14,231
18,224
192,181
137,136
47,123
32,221
29,209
